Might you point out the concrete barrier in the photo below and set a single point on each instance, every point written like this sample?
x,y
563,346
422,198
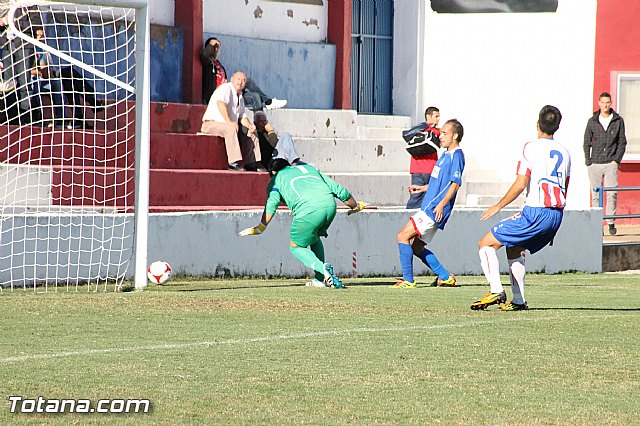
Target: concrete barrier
x,y
208,244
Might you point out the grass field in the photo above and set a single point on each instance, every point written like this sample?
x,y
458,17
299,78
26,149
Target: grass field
x,y
273,352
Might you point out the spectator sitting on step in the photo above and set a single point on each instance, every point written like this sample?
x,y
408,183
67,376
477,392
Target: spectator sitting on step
x,y
271,146
225,116
214,74
46,78
77,90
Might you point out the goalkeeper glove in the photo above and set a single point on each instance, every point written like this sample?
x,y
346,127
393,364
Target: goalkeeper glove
x,y
253,231
361,205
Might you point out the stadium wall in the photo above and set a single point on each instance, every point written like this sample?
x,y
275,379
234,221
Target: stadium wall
x,y
208,244
494,71
166,50
615,54
302,73
300,21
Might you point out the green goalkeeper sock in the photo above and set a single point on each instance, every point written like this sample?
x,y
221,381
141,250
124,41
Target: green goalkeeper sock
x,y
308,259
318,249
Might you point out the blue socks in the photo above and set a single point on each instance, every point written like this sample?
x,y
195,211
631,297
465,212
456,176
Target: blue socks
x,y
430,259
406,261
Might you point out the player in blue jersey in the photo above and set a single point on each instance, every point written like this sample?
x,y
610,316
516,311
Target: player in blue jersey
x,y
435,210
543,170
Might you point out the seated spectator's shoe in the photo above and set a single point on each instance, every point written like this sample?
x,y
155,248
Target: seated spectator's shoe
x,y
255,167
612,229
330,279
488,300
403,284
449,282
514,307
7,86
315,283
276,103
236,167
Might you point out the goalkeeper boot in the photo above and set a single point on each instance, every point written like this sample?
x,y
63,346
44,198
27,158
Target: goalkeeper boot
x,y
515,307
330,279
403,284
449,282
488,300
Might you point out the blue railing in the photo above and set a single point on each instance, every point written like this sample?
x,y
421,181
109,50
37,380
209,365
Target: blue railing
x,y
601,192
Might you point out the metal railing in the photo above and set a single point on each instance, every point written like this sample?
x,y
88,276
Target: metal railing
x,y
601,190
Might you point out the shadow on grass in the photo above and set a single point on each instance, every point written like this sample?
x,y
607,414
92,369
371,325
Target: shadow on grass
x,y
586,309
240,287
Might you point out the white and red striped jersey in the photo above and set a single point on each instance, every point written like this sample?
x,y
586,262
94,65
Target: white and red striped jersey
x,y
548,165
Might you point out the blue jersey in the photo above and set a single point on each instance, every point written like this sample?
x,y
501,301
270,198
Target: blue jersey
x,y
448,169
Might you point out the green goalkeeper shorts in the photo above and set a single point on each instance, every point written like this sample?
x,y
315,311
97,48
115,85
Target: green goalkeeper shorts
x,y
307,229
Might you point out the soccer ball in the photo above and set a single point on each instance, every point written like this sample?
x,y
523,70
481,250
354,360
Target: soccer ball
x,y
159,272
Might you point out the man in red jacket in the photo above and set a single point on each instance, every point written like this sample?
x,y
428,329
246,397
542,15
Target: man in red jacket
x,y
421,167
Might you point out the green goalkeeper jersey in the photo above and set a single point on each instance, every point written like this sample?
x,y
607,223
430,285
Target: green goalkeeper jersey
x,y
303,189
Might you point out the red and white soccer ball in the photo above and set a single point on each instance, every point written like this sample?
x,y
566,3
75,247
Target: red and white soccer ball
x,y
159,272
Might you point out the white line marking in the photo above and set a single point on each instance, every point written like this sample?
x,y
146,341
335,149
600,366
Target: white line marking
x,y
273,338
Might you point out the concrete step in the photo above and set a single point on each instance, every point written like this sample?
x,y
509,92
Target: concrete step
x,y
387,121
380,133
482,200
487,187
25,185
43,146
187,151
315,123
207,188
176,118
354,155
381,189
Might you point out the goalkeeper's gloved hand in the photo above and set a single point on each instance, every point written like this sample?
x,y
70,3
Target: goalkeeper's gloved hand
x,y
361,205
253,231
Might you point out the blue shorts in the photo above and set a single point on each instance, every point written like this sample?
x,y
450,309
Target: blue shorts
x,y
533,228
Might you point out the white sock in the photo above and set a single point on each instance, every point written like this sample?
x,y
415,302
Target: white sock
x,y
517,272
491,268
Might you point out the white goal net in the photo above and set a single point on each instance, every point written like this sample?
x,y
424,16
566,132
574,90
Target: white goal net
x,y
67,145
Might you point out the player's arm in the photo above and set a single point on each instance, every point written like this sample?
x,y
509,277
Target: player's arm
x,y
519,185
248,124
414,189
438,211
270,209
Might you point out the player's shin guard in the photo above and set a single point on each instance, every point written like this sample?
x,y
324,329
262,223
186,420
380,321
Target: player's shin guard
x,y
491,268
430,259
517,272
318,249
406,261
308,259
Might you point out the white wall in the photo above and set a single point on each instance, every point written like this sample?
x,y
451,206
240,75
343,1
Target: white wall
x,y
266,20
203,243
161,12
495,71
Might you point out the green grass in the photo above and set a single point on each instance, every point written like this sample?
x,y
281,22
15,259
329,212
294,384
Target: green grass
x,y
273,352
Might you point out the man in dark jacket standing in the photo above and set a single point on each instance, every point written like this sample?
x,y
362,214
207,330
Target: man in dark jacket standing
x,y
604,145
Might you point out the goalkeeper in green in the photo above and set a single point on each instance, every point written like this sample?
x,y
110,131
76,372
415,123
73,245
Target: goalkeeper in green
x,y
311,198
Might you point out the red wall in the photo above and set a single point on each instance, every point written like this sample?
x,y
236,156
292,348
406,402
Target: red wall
x,y
339,33
618,49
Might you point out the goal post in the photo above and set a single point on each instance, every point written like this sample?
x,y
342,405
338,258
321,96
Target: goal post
x,y
74,143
